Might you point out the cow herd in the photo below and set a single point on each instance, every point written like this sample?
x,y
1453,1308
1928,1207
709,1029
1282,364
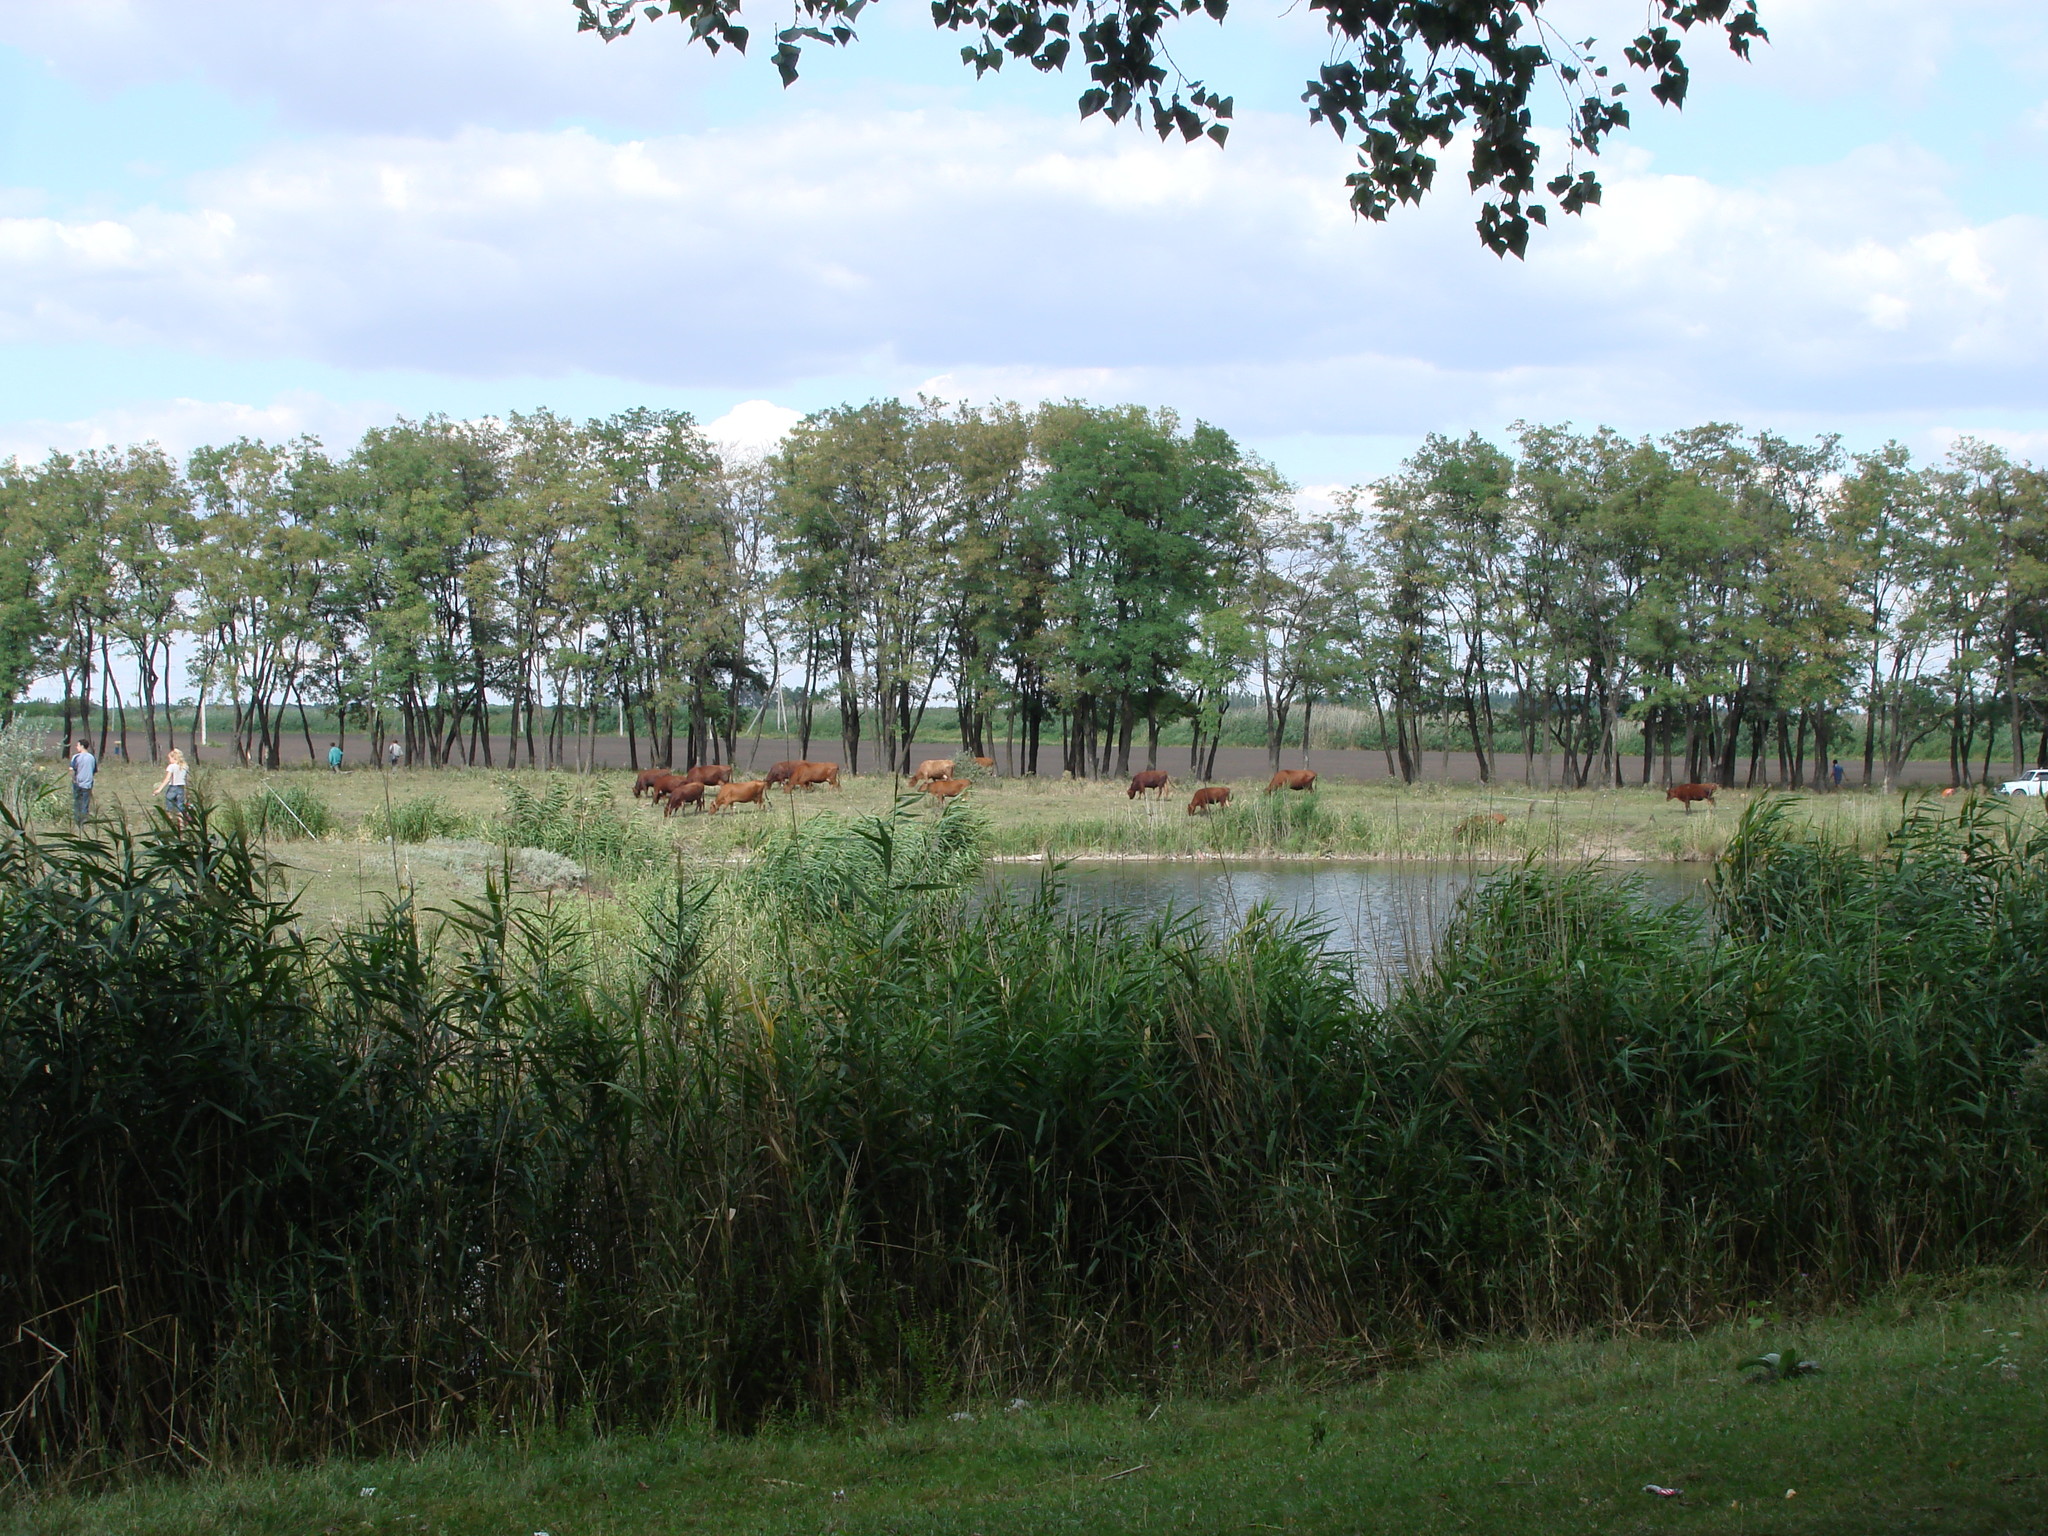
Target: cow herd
x,y
935,776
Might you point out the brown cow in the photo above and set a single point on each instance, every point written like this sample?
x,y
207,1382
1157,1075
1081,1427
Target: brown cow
x,y
945,789
932,768
811,775
649,778
680,794
985,762
709,773
1291,778
1685,794
1147,781
751,793
779,773
1218,794
1478,825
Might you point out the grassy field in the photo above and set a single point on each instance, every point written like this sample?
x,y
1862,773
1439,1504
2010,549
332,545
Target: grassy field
x,y
1927,1416
448,821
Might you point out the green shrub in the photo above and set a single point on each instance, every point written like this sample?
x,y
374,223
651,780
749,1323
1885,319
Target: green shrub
x,y
844,1132
589,828
416,820
282,813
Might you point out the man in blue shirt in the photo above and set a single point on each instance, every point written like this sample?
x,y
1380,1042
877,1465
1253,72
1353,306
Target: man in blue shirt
x,y
83,766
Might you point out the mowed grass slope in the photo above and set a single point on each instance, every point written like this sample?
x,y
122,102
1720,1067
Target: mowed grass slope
x,y
1928,1415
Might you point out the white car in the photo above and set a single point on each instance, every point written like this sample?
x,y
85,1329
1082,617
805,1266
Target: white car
x,y
2034,782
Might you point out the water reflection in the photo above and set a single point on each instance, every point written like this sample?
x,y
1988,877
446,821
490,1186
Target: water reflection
x,y
1387,914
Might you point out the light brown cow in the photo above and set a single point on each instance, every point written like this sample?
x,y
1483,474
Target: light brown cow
x,y
751,793
945,789
1478,825
779,773
1216,794
709,773
680,794
1147,781
811,775
985,762
1291,778
1686,794
932,768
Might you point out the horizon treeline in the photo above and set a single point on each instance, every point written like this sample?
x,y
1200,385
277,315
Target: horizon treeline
x,y
1074,580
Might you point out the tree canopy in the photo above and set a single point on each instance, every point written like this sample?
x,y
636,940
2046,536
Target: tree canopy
x,y
1401,80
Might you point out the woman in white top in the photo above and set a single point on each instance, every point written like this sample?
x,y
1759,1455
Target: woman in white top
x,y
172,785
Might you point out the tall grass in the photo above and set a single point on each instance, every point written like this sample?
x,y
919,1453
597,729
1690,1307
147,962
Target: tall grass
x,y
285,813
418,820
849,1131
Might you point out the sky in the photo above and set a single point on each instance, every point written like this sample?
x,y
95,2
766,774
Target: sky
x,y
237,217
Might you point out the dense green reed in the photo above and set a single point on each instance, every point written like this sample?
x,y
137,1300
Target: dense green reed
x,y
417,820
845,1132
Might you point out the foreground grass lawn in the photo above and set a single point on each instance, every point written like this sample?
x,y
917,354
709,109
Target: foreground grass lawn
x,y
1929,1415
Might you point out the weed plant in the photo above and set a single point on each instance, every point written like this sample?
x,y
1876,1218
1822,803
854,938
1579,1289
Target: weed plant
x,y
850,1132
285,813
589,828
418,820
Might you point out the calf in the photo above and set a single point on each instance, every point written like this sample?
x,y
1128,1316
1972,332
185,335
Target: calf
x,y
1218,794
741,794
1481,824
811,775
1290,778
945,789
1150,780
932,768
1685,794
680,794
985,762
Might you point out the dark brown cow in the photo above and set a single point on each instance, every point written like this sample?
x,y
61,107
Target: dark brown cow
x,y
811,775
709,773
1290,778
751,793
932,768
945,789
1149,781
680,794
1685,794
650,778
779,773
1217,794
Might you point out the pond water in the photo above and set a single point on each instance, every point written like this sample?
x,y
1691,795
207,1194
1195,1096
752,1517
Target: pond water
x,y
1388,914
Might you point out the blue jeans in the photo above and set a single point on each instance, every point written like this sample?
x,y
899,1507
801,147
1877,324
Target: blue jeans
x,y
81,804
174,800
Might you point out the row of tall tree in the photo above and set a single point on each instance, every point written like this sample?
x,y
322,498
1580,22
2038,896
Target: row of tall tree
x,y
1073,579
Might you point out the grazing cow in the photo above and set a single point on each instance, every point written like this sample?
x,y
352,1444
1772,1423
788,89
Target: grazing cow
x,y
1218,794
945,789
1291,778
1685,794
1151,779
779,773
649,779
682,793
985,762
1479,825
752,793
932,768
709,773
811,775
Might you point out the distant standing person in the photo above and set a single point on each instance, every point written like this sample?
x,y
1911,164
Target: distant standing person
x,y
1838,773
83,766
172,785
334,757
393,753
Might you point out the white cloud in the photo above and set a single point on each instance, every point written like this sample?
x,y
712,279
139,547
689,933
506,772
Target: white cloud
x,y
182,425
752,426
